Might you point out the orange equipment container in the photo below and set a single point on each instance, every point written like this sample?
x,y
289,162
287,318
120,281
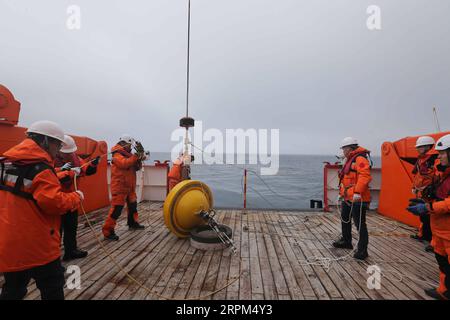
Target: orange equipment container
x,y
397,162
9,107
94,187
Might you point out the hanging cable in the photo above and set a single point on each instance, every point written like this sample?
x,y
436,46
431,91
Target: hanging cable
x,y
436,119
188,57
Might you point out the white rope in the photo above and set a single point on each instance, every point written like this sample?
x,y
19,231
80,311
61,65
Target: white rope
x,y
327,262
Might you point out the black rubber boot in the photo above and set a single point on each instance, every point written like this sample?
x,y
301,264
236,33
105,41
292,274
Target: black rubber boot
x,y
342,244
132,224
74,254
112,236
136,226
416,237
434,294
361,255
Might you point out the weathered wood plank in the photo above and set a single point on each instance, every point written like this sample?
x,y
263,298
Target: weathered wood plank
x,y
271,260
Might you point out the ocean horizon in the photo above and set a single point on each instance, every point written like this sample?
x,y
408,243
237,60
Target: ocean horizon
x,y
299,180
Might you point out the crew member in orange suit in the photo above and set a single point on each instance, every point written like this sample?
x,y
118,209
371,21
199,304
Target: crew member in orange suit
x,y
31,205
180,171
354,196
424,172
439,212
67,165
124,166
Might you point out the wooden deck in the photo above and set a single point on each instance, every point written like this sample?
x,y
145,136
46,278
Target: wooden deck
x,y
270,264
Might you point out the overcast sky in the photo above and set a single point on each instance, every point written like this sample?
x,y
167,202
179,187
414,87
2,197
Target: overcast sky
x,y
310,68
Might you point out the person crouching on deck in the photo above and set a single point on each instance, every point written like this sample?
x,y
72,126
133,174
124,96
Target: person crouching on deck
x,y
424,172
31,205
355,195
439,212
67,165
180,171
124,166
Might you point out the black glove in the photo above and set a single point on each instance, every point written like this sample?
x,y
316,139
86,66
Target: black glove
x,y
96,161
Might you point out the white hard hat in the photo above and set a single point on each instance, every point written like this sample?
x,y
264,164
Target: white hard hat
x,y
127,138
443,143
187,159
425,141
349,141
69,145
47,128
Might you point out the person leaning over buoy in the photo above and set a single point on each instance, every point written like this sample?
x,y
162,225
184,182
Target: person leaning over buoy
x,y
31,205
180,170
439,211
424,172
124,166
354,195
67,165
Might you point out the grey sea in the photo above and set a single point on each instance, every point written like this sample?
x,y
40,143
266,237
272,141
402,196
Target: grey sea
x,y
299,180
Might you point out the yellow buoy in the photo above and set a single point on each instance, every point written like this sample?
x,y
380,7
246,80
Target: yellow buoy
x,y
183,205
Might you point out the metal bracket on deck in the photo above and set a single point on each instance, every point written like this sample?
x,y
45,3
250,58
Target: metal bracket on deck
x,y
208,217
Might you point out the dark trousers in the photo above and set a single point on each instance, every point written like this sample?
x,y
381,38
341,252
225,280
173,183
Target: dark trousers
x,y
426,227
69,228
444,267
356,213
49,280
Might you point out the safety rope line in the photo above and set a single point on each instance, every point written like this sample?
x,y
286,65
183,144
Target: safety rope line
x,y
327,262
133,279
188,57
400,275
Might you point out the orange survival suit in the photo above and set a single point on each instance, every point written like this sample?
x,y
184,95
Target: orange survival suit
x,y
69,221
179,172
175,174
124,166
31,205
354,179
355,176
66,177
424,174
440,226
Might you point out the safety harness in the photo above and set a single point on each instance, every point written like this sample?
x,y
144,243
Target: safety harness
x,y
19,173
442,189
348,167
423,166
